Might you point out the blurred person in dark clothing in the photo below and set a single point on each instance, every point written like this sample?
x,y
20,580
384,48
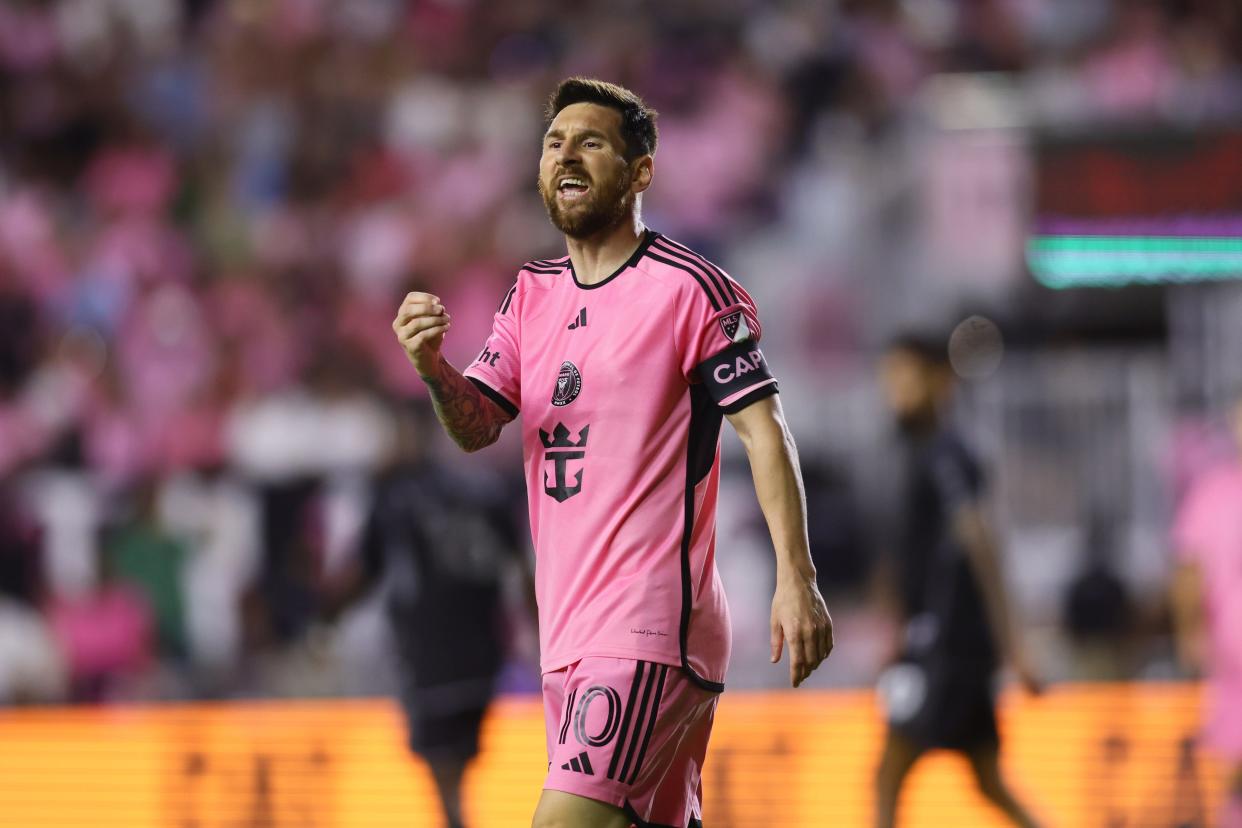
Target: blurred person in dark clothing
x,y
441,540
31,668
958,624
1098,613
1207,607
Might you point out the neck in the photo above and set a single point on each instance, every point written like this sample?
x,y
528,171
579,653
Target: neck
x,y
597,257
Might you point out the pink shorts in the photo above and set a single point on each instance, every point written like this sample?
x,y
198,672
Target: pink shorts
x,y
629,733
1222,726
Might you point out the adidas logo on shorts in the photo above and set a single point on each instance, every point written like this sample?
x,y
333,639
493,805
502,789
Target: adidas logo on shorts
x,y
579,764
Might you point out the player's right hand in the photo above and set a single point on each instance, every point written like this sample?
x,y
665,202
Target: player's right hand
x,y
420,326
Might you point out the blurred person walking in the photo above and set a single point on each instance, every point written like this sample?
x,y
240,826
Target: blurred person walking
x,y
441,541
1207,607
624,357
958,623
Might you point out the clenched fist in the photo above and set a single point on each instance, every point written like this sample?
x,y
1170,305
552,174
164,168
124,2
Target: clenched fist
x,y
420,327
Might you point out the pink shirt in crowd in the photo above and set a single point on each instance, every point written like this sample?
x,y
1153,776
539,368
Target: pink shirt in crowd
x,y
622,386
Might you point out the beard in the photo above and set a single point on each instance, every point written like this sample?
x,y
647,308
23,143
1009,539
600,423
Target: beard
x,y
607,205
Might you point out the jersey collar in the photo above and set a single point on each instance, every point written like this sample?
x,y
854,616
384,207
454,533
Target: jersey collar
x,y
648,237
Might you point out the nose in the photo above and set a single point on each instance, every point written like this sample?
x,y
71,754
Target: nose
x,y
567,154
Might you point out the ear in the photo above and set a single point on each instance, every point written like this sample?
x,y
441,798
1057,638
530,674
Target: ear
x,y
643,170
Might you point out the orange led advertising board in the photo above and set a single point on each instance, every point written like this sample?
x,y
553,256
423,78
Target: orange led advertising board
x,y
1082,755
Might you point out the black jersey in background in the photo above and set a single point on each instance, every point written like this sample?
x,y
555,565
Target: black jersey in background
x,y
443,539
940,595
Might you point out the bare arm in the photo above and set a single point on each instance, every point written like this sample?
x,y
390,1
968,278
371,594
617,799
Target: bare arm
x,y
982,551
799,616
469,417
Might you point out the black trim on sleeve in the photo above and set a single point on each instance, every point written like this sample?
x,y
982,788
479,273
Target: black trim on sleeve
x,y
495,396
760,393
734,369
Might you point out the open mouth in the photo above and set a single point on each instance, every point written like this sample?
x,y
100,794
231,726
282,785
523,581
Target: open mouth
x,y
571,188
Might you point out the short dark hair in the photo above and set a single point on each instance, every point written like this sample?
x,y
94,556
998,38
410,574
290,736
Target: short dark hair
x,y
638,121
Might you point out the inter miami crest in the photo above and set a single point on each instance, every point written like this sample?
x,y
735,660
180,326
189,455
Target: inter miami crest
x,y
734,327
568,384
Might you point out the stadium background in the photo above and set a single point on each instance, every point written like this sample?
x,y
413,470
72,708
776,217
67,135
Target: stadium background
x,y
207,210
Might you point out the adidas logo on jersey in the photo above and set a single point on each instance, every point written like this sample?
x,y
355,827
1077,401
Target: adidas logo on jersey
x,y
580,764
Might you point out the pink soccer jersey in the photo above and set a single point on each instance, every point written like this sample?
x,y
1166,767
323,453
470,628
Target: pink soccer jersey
x,y
622,386
1208,532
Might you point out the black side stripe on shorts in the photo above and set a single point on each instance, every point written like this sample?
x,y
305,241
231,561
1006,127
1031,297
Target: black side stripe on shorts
x,y
651,718
643,710
625,721
699,265
710,295
569,708
728,282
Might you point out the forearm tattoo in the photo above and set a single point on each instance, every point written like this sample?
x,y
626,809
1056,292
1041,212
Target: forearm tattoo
x,y
471,419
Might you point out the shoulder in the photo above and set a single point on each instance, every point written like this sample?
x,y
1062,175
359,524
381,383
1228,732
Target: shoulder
x,y
535,275
543,272
545,267
687,271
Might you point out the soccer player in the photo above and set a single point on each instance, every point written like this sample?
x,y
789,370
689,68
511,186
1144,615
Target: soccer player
x,y
1207,605
958,625
624,357
441,540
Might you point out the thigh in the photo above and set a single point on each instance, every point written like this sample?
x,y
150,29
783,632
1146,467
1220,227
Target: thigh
x,y
557,809
631,734
554,700
955,709
449,736
898,757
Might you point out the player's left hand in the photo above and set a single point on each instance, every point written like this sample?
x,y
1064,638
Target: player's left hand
x,y
800,620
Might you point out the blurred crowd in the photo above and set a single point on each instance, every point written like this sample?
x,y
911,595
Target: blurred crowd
x,y
209,212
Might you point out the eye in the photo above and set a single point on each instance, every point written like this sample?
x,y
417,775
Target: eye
x,y
591,144
553,144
